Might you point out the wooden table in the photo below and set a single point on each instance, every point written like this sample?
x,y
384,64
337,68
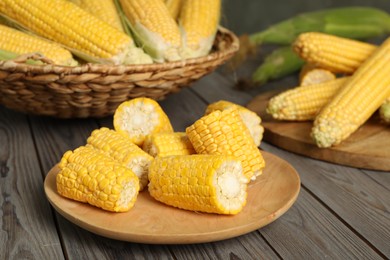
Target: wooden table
x,y
341,212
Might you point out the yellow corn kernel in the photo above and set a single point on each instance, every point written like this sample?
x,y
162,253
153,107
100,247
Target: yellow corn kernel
x,y
251,120
199,22
173,7
154,27
22,43
384,111
84,34
224,133
140,117
205,183
93,173
165,144
356,101
121,149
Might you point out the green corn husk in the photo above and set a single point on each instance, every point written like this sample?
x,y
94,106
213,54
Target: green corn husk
x,y
351,22
279,63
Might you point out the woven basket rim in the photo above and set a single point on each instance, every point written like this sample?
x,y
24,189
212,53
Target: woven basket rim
x,y
16,66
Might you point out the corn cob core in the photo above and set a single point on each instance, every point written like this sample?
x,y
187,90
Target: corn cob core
x,y
67,24
199,22
154,28
315,76
251,120
173,7
356,101
337,54
165,144
120,148
21,43
205,183
224,133
140,117
303,102
88,175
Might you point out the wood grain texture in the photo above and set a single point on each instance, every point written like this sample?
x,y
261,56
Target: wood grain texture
x,y
367,148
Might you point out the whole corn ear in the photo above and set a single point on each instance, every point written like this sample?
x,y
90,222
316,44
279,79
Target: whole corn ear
x,y
154,28
224,133
102,9
173,7
384,111
251,120
19,42
165,144
84,34
140,117
120,148
310,75
337,54
356,101
205,183
89,176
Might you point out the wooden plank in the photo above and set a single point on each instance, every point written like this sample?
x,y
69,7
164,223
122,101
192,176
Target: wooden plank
x,y
361,202
28,231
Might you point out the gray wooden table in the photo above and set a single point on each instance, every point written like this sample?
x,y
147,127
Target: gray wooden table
x,y
341,212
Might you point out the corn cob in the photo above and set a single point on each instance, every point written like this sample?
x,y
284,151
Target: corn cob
x,y
173,7
165,144
337,54
199,22
89,176
140,117
19,42
311,74
154,29
205,183
224,133
80,31
120,148
384,111
357,100
251,120
102,9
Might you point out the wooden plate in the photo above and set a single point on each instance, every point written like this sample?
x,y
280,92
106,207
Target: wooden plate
x,y
367,148
150,221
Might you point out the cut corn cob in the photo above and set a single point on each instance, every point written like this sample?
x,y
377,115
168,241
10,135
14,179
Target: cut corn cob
x,y
223,132
310,75
140,117
68,24
121,148
337,54
102,9
384,111
205,183
89,176
165,144
356,101
154,28
303,102
199,22
251,120
173,7
18,42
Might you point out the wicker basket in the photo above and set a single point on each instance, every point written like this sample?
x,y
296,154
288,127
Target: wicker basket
x,y
95,90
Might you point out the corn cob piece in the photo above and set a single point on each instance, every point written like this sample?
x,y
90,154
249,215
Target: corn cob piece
x,y
18,42
199,22
154,29
224,133
205,183
356,101
140,117
384,111
84,34
303,102
337,54
173,7
120,148
165,144
89,176
313,75
102,9
251,120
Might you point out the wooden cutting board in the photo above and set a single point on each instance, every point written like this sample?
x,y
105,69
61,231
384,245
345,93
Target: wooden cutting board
x,y
367,148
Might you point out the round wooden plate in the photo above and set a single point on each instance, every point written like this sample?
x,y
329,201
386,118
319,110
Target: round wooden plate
x,y
367,148
152,222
